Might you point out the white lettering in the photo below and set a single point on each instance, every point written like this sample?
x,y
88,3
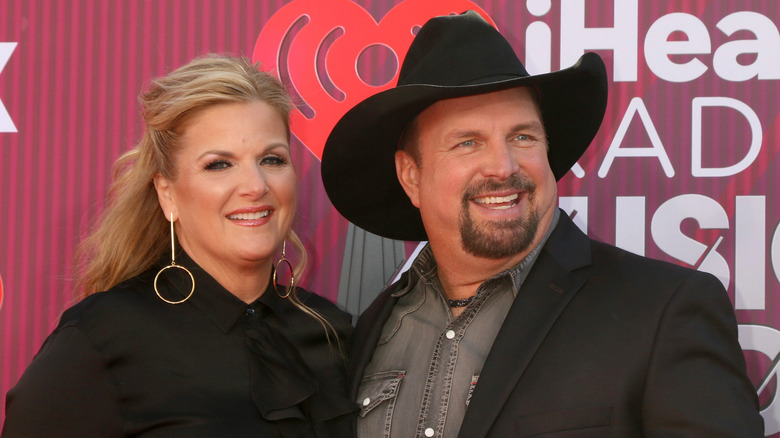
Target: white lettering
x,y
658,47
538,39
630,223
749,251
696,129
538,48
765,340
656,150
774,253
578,204
659,51
715,264
766,46
622,39
666,232
6,124
578,171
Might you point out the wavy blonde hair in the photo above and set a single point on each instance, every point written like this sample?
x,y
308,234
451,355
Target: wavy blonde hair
x,y
132,234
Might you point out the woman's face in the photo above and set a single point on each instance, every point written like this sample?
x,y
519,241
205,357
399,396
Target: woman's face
x,y
234,193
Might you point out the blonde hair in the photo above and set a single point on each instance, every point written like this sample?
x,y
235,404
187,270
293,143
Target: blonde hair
x,y
132,234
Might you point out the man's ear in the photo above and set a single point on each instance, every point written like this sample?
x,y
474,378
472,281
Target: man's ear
x,y
165,196
408,175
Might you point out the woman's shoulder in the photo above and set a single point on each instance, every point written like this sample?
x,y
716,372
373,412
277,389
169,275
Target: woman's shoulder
x,y
123,299
323,306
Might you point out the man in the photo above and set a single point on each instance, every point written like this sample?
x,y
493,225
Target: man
x,y
512,322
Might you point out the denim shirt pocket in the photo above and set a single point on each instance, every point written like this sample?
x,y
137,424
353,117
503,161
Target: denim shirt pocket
x,y
379,389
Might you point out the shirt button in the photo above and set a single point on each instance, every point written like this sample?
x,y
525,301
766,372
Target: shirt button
x,y
429,432
450,334
366,401
250,311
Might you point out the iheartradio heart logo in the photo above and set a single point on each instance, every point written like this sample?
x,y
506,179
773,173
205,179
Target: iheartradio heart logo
x,y
333,57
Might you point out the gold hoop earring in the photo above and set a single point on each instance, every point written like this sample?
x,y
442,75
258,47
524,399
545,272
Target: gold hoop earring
x,y
174,265
283,259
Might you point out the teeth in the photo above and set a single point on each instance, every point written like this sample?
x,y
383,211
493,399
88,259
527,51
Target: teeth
x,y
497,200
249,216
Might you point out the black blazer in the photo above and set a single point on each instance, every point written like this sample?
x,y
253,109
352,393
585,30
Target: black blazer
x,y
603,343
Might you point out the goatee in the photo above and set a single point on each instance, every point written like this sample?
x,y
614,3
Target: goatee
x,y
498,239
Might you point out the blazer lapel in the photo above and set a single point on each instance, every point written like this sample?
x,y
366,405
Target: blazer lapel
x,y
547,290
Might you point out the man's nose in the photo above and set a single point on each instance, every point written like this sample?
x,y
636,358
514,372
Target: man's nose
x,y
500,161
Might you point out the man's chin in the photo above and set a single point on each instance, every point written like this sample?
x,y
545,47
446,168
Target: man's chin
x,y
498,243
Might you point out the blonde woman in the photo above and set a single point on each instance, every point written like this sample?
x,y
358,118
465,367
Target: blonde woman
x,y
193,335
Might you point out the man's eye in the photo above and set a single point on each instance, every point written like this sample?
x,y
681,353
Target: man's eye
x,y
467,143
217,165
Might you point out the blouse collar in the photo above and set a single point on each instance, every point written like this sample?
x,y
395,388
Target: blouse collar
x,y
211,298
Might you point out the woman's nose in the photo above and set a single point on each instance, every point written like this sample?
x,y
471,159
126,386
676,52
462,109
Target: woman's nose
x,y
253,182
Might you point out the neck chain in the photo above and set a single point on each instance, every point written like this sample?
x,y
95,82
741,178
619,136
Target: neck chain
x,y
463,302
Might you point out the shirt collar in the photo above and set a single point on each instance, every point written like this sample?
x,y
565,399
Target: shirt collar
x,y
222,307
425,268
521,270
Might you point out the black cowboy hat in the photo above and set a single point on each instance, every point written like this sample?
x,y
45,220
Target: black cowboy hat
x,y
451,56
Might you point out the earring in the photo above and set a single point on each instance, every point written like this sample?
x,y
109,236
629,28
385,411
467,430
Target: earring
x,y
283,259
174,265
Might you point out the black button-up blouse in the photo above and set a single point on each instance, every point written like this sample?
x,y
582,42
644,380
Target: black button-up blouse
x,y
125,363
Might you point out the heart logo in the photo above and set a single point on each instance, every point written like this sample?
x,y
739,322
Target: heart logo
x,y
327,56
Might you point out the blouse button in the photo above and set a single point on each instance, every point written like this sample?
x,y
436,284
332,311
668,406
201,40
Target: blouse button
x,y
366,401
450,334
429,432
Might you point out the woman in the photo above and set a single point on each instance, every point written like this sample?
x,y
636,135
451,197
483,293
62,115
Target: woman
x,y
196,339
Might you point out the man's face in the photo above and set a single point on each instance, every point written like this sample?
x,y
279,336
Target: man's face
x,y
482,181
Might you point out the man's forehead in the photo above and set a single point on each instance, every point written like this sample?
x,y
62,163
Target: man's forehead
x,y
525,126
520,101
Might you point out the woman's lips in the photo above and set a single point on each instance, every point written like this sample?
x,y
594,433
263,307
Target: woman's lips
x,y
248,216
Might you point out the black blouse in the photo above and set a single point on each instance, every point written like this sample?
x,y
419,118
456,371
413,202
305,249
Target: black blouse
x,y
125,363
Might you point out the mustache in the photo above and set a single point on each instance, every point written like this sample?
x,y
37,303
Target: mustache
x,y
516,182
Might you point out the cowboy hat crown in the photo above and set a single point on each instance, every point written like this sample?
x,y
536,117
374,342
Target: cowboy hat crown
x,y
451,56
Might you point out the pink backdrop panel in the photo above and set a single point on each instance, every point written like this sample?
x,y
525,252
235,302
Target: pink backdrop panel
x,y
683,169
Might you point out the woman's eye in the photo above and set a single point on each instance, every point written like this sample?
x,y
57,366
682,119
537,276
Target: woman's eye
x,y
274,160
217,165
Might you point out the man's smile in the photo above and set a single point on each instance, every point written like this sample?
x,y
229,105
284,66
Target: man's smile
x,y
497,202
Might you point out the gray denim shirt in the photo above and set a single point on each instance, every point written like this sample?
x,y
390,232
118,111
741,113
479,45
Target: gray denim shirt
x,y
427,363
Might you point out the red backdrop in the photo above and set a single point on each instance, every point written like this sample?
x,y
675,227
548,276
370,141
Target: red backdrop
x,y
684,167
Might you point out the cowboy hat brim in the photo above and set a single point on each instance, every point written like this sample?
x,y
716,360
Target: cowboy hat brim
x,y
358,165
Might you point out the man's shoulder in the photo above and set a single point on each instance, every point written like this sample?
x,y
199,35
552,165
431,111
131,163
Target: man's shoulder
x,y
607,253
619,266
576,250
379,304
